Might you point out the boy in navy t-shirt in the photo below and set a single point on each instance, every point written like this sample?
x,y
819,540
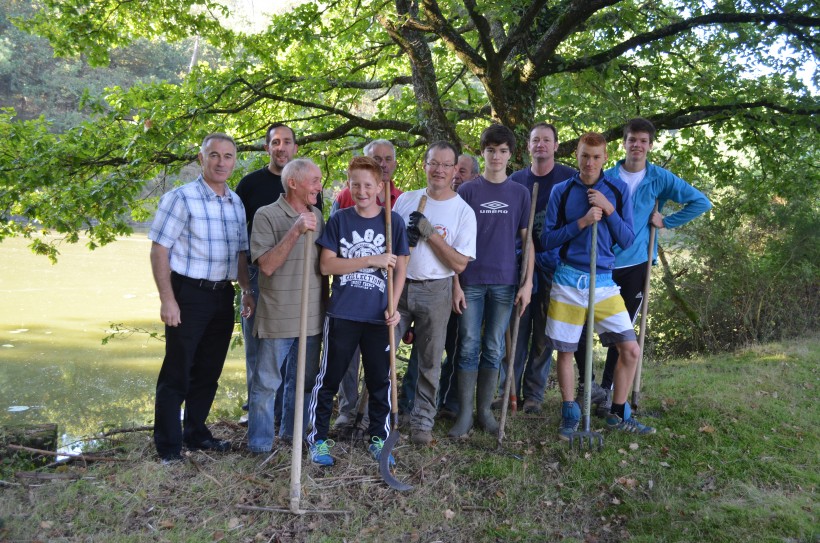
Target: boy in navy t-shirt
x,y
487,289
354,252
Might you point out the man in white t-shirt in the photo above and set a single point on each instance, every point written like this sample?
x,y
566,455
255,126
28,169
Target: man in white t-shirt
x,y
444,237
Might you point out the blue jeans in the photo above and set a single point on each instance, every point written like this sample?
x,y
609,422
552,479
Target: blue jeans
x,y
251,343
488,307
273,356
532,360
286,395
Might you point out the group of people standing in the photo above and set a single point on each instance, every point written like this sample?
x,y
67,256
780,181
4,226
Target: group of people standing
x,y
455,255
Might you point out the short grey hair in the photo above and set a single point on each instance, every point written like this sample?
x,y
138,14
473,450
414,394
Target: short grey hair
x,y
369,147
473,162
216,136
296,169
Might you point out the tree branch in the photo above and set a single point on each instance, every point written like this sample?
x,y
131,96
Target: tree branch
x,y
576,14
463,50
551,66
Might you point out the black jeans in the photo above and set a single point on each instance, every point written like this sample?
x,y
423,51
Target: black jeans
x,y
194,355
341,337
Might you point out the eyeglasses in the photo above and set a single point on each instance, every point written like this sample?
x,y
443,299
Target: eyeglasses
x,y
436,165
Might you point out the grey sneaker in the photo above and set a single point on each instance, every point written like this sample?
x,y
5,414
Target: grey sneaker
x,y
604,406
628,423
532,407
598,394
342,421
421,437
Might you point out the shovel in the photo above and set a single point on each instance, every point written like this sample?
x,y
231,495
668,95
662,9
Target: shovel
x,y
296,456
509,396
393,438
636,386
588,439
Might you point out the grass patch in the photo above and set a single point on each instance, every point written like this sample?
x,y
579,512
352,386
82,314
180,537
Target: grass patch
x,y
735,459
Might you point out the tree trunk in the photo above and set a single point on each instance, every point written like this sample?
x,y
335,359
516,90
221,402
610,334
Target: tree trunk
x,y
430,113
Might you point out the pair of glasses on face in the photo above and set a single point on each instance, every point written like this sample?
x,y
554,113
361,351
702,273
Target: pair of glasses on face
x,y
436,165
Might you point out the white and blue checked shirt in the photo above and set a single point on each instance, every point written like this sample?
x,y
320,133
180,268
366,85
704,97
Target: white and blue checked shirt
x,y
203,232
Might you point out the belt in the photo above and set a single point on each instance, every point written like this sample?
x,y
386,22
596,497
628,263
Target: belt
x,y
423,281
204,283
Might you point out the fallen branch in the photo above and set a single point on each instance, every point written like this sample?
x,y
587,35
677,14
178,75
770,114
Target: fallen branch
x,y
50,476
126,430
84,457
284,510
209,476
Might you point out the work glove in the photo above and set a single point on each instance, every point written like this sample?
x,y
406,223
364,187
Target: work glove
x,y
413,236
420,224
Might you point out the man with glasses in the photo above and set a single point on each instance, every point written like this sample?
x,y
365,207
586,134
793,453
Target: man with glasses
x,y
444,241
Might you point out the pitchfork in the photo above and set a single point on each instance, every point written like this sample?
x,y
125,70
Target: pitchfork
x,y
587,439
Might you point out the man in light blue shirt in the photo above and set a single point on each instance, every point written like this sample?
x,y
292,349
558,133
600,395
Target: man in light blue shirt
x,y
198,251
647,183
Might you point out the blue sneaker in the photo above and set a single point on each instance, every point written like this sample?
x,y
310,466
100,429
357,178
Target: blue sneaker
x,y
320,452
570,419
375,448
628,423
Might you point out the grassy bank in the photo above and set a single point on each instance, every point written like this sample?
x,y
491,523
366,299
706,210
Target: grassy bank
x,y
735,459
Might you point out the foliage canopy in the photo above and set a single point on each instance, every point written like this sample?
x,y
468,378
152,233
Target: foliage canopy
x,y
732,83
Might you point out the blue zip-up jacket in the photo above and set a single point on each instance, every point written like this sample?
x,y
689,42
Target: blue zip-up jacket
x,y
574,243
662,185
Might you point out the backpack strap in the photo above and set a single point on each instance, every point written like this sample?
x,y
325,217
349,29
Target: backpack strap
x,y
562,218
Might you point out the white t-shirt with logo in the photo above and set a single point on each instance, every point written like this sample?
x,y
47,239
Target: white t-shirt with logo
x,y
453,219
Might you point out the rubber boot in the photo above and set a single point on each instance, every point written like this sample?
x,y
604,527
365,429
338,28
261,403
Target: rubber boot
x,y
466,395
487,383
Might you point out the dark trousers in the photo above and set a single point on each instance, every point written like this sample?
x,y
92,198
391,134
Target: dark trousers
x,y
631,280
194,355
341,337
448,382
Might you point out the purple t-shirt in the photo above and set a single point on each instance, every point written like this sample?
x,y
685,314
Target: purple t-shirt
x,y
362,295
501,210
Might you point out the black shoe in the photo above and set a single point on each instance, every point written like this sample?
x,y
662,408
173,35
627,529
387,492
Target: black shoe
x,y
171,459
245,406
216,445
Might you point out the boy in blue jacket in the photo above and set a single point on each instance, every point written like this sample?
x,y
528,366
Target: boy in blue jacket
x,y
647,183
577,203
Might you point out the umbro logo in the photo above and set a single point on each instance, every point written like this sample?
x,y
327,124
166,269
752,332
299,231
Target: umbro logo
x,y
494,205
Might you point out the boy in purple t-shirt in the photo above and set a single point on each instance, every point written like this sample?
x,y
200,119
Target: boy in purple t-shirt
x,y
485,292
354,252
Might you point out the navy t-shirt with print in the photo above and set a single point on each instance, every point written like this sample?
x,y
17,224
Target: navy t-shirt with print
x,y
362,295
501,211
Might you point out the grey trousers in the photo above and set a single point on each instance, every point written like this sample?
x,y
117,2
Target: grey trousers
x,y
426,305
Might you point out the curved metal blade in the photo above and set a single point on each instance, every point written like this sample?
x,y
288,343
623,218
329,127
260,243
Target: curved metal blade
x,y
384,463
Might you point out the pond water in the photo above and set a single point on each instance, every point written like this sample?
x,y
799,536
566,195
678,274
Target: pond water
x,y
53,318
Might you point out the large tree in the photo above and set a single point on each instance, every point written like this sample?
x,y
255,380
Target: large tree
x,y
733,82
